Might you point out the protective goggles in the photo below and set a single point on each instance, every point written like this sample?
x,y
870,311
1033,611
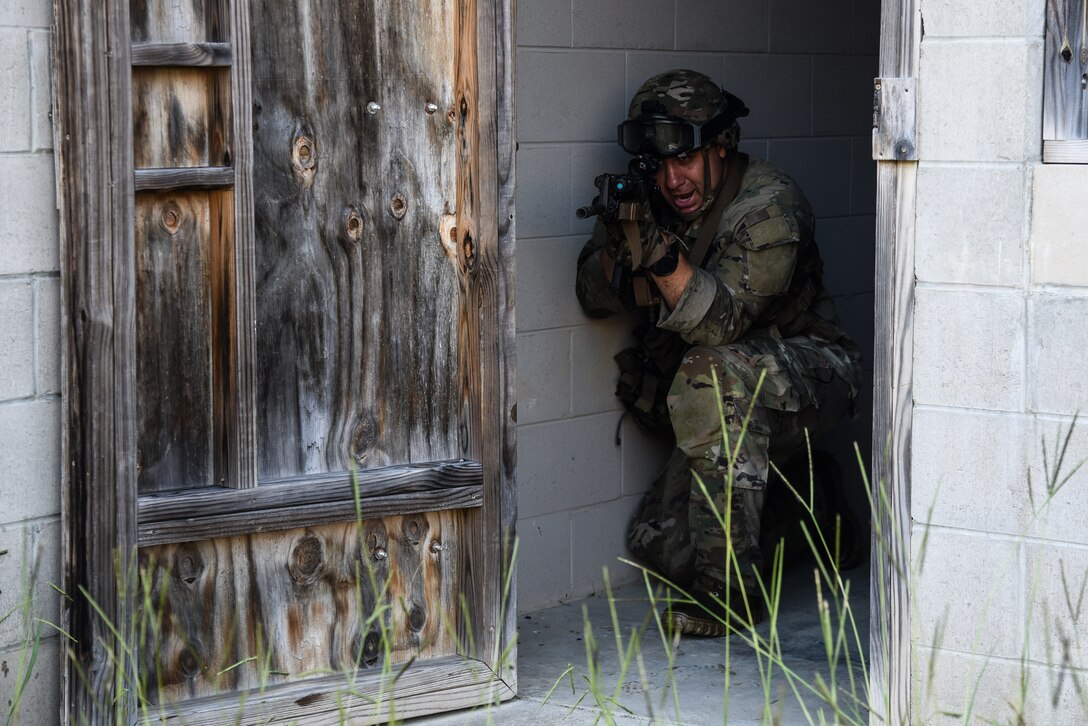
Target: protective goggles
x,y
659,135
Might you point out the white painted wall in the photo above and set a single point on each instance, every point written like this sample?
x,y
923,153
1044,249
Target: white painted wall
x,y
1001,320
805,70
29,348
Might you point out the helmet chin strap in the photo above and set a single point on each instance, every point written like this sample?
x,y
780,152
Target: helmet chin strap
x,y
712,192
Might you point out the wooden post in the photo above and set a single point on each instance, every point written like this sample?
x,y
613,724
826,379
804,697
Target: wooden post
x,y
889,641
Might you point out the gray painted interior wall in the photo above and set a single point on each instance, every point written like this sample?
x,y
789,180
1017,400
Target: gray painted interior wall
x,y
805,70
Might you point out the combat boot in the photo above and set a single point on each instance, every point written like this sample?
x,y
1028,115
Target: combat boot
x,y
704,613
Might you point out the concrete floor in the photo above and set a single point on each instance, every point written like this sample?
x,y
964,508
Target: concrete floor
x,y
691,690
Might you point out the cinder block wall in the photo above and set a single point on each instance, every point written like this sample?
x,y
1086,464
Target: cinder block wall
x,y
1000,324
805,70
29,352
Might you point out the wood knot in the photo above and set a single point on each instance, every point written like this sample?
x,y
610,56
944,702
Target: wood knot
x,y
189,662
188,564
417,617
171,218
447,235
304,158
468,247
371,648
353,224
398,205
363,435
307,559
414,530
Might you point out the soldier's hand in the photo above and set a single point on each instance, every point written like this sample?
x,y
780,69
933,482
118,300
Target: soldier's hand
x,y
655,240
616,246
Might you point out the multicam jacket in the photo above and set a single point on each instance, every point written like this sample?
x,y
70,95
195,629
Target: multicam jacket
x,y
763,271
762,281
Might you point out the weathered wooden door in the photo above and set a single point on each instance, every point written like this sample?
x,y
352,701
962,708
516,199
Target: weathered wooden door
x,y
287,259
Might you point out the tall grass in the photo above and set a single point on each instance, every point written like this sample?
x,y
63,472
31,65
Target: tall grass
x,y
838,693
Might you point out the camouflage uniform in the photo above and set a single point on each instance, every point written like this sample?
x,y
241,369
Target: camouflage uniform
x,y
756,307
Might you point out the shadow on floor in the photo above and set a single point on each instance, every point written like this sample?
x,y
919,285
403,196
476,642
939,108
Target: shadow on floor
x,y
692,690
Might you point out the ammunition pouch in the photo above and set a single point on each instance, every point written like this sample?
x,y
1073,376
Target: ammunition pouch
x,y
646,373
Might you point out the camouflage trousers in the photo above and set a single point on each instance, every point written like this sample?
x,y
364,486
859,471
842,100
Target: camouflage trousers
x,y
807,384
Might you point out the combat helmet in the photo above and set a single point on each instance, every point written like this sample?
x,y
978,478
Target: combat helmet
x,y
678,111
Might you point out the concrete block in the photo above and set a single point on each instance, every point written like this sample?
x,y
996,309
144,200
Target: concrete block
x,y
777,89
862,176
545,284
544,23
551,107
755,148
848,248
1058,325
598,537
969,349
41,80
1054,697
16,339
15,89
1058,458
996,121
593,372
28,236
969,469
866,28
821,167
31,565
543,193
30,450
842,95
945,684
624,24
972,230
565,465
544,557
40,700
543,376
29,13
806,27
1056,579
642,66
644,457
733,24
47,360
966,593
964,18
1058,220
856,318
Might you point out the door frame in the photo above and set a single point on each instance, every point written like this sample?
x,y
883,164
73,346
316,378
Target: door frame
x,y
889,627
96,190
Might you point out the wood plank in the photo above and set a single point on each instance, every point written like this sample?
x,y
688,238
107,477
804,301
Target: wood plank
x,y
176,21
182,54
241,399
895,135
357,294
200,177
428,687
269,520
296,491
1065,101
252,611
486,248
1065,151
174,263
178,117
890,641
96,217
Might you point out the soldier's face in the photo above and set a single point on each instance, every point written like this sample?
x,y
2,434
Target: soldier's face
x,y
682,183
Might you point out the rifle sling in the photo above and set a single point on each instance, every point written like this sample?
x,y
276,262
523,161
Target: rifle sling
x,y
729,188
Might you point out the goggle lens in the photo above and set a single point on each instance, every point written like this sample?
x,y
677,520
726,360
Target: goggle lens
x,y
661,137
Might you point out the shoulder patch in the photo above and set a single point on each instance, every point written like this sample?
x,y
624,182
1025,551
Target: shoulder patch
x,y
768,227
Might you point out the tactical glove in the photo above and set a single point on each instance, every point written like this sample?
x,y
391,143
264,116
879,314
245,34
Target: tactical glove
x,y
653,243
